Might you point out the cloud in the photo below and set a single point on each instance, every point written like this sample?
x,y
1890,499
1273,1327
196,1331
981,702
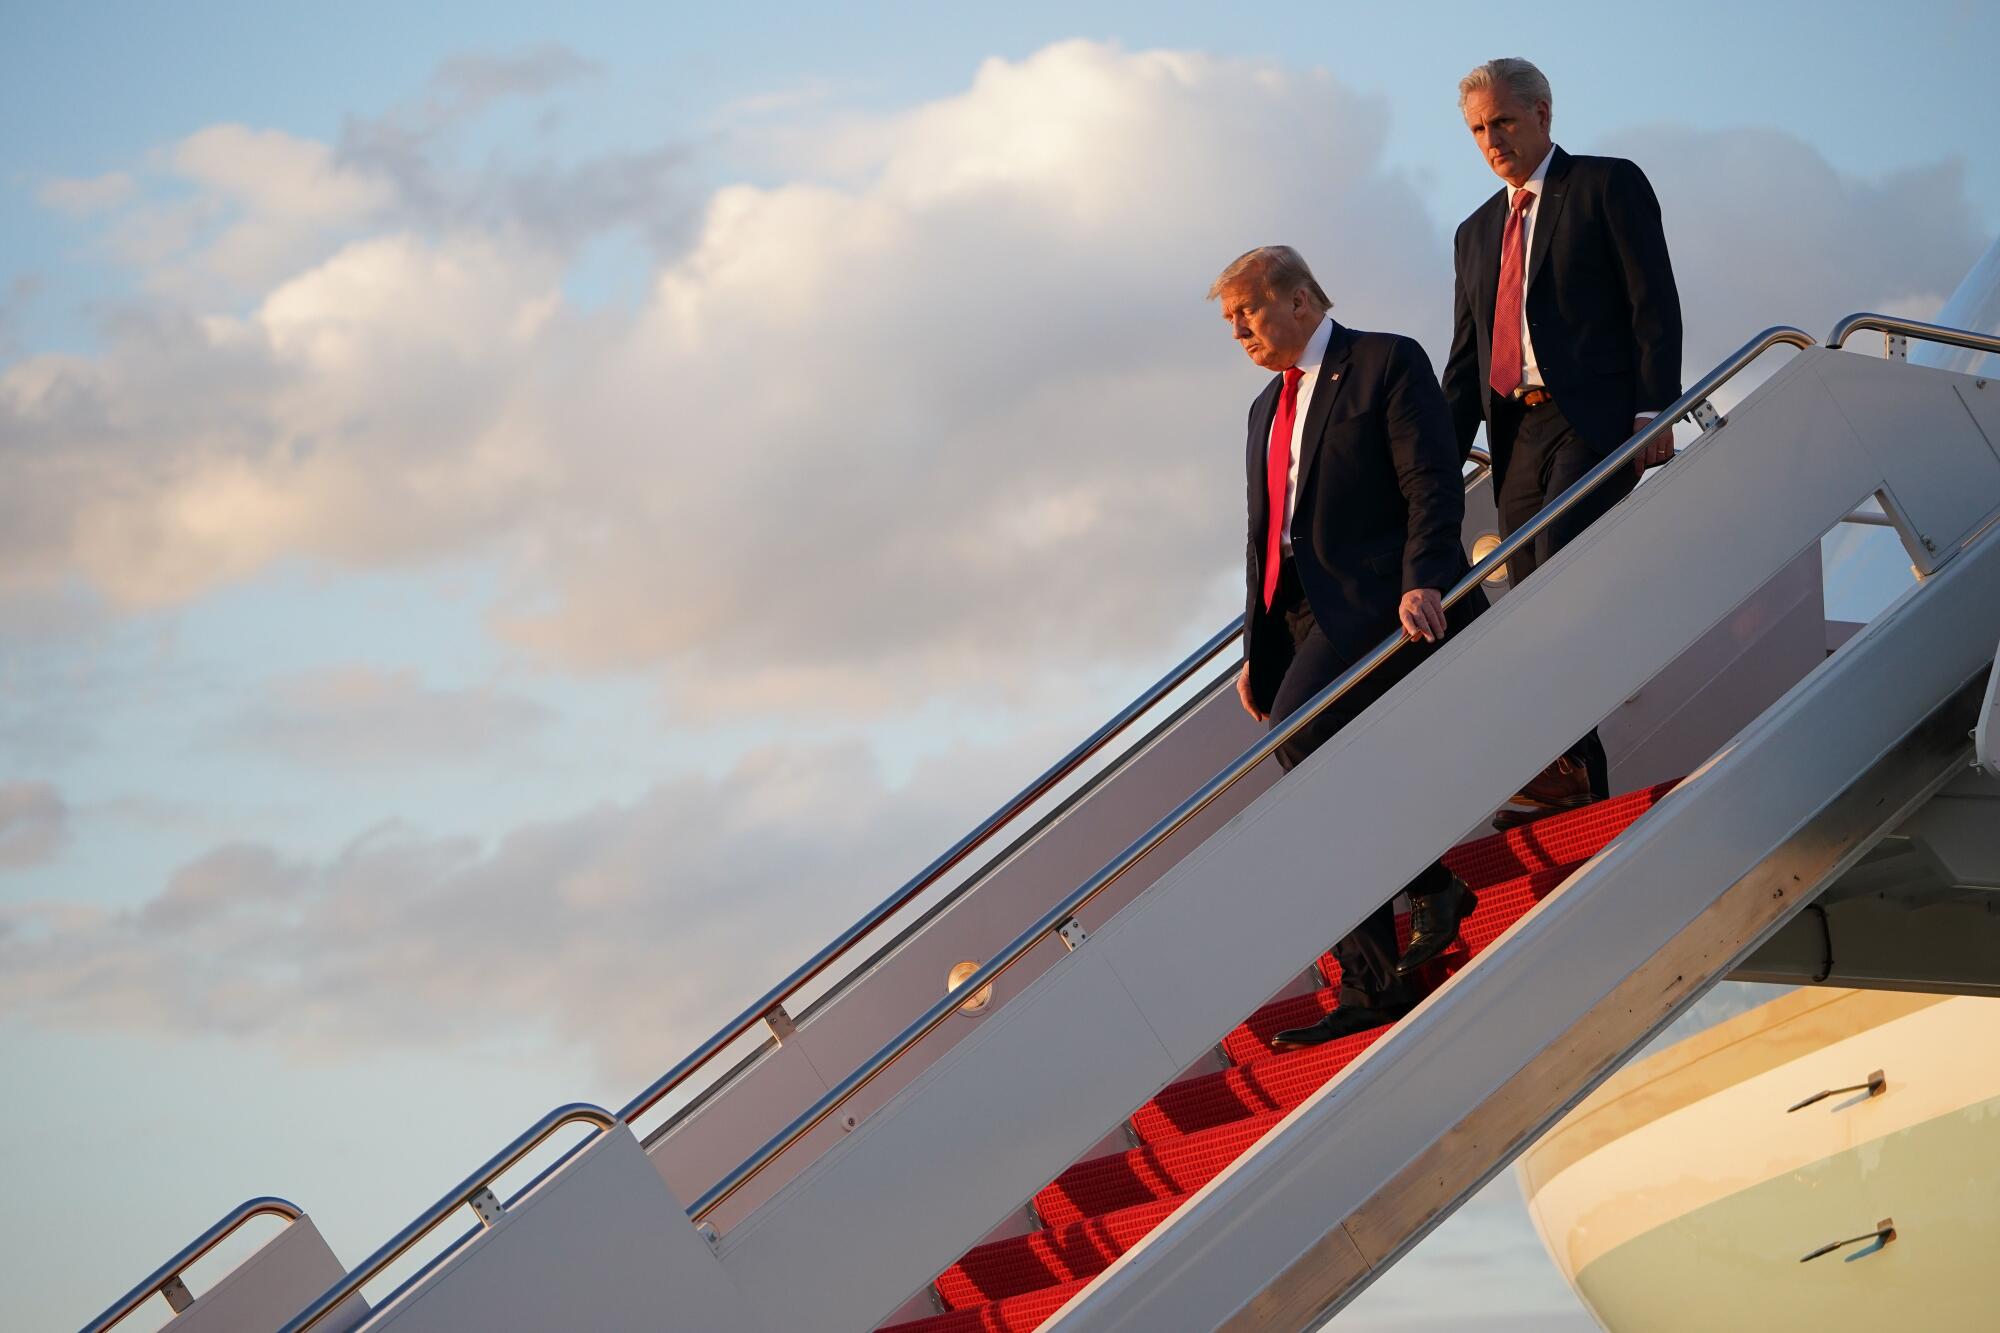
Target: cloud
x,y
464,84
275,175
942,416
221,216
82,196
1764,231
362,716
885,420
547,203
21,292
34,820
626,930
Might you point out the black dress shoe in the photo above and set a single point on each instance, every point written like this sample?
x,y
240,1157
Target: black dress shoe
x,y
1342,1022
1434,920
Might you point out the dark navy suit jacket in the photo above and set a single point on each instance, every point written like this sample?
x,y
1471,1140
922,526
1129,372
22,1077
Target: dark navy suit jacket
x,y
1380,502
1602,307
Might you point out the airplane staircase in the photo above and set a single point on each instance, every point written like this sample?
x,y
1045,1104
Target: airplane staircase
x,y
1109,952
1194,1128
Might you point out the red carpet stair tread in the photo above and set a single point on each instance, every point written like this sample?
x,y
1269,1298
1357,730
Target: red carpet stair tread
x,y
1180,1164
1082,1249
1014,1314
1097,1209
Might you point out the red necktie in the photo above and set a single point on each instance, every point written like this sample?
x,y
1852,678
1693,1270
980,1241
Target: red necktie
x,y
1277,475
1505,374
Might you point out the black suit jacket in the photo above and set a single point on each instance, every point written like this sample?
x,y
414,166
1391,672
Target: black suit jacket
x,y
1380,503
1600,298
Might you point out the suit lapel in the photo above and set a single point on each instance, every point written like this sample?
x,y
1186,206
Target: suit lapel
x,y
1259,461
1326,387
1547,209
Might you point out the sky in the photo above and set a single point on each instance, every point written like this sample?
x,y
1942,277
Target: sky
x,y
517,527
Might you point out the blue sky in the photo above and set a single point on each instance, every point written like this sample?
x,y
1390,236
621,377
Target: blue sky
x,y
558,494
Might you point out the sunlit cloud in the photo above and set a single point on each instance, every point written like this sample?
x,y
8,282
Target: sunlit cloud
x,y
361,716
943,417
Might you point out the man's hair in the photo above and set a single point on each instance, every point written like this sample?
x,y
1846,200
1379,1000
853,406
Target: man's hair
x,y
1517,76
1280,270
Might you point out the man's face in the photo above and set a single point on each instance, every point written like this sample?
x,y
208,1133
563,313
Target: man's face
x,y
1272,330
1512,134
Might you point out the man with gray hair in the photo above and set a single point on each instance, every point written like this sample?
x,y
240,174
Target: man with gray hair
x,y
1566,340
1355,502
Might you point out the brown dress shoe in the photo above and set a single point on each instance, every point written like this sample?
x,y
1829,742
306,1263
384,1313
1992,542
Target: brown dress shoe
x,y
1563,785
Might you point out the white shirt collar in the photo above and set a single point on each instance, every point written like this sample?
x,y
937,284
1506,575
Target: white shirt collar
x,y
1534,185
1316,347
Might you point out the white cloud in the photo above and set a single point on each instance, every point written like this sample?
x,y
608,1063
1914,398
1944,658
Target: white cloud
x,y
1764,231
275,175
34,820
362,716
945,415
628,931
82,196
238,209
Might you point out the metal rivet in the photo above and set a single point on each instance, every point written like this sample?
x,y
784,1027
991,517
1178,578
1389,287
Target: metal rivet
x,y
486,1205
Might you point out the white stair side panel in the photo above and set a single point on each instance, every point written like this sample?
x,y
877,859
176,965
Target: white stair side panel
x,y
1347,1142
829,1043
264,1291
1715,688
601,1245
1473,724
766,1097
931,1182
888,1208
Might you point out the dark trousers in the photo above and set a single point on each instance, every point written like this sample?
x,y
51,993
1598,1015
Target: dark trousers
x,y
1544,457
1367,955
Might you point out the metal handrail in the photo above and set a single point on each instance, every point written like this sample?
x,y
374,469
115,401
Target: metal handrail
x,y
1912,328
475,1190
480,1181
167,1274
1055,917
838,947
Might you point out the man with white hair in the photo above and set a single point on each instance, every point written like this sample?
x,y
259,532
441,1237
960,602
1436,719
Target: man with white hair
x,y
1355,505
1566,340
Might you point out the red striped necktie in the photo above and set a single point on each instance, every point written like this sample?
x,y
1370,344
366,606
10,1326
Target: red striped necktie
x,y
1277,475
1505,368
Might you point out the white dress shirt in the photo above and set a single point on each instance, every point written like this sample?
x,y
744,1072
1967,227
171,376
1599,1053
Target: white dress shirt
x,y
1309,362
1531,370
